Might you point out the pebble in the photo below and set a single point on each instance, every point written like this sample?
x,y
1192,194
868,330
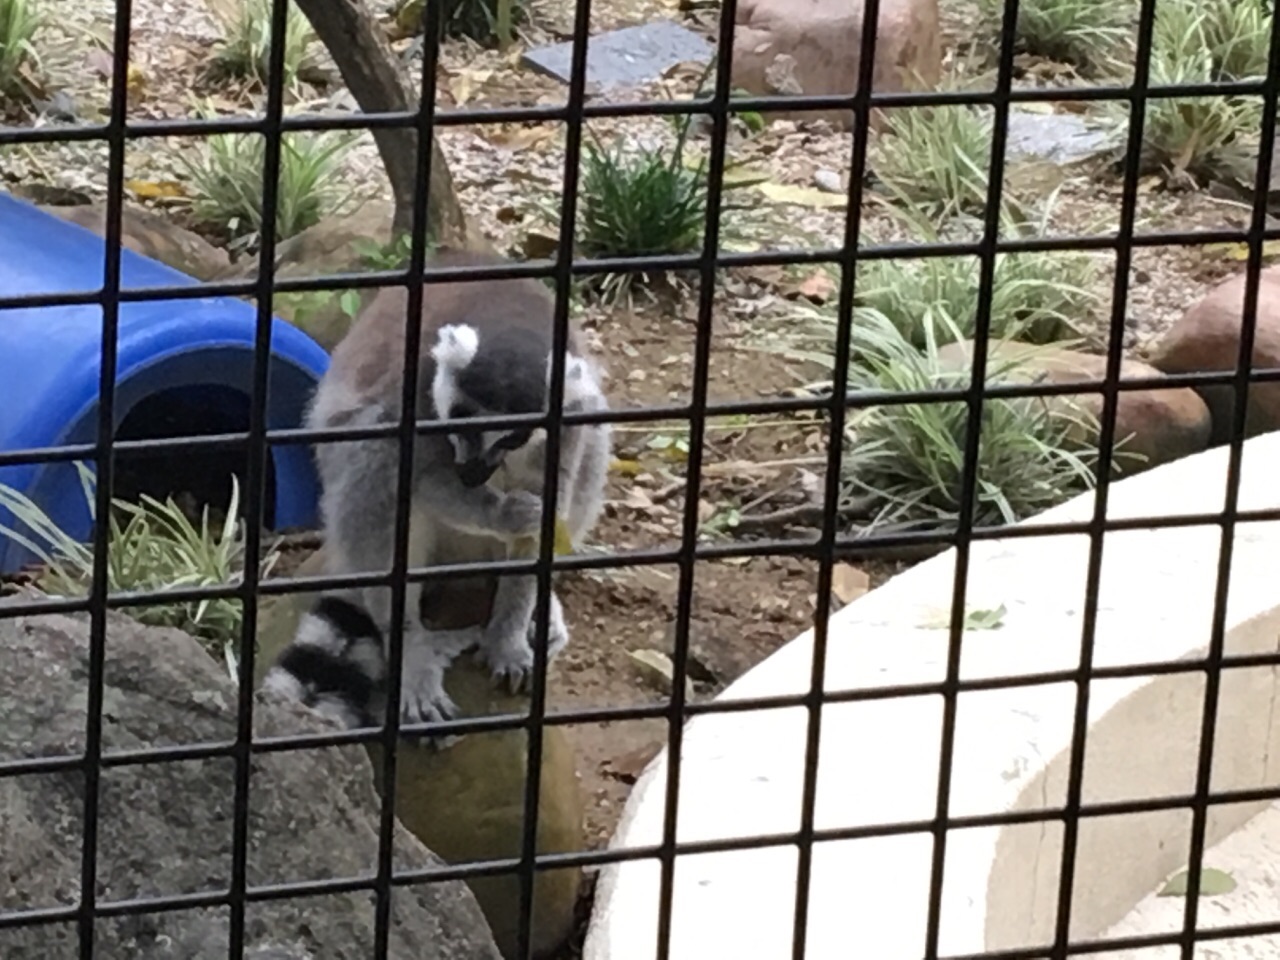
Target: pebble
x,y
828,181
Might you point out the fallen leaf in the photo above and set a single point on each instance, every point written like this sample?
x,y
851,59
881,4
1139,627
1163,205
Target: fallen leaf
x,y
657,668
798,196
817,287
982,619
409,19
522,138
626,468
1213,883
135,79
464,84
156,189
539,245
734,176
1240,251
99,62
848,583
628,766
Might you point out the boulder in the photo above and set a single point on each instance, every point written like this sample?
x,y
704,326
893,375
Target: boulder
x,y
165,828
1161,425
812,47
334,246
153,236
1207,340
479,781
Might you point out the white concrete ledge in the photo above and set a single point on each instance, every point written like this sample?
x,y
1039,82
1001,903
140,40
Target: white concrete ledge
x,y
878,762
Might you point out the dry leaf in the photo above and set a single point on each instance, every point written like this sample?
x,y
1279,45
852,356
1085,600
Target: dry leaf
x,y
522,138
135,79
628,766
1240,251
657,668
736,176
100,62
156,189
848,583
465,83
800,196
539,245
817,287
626,468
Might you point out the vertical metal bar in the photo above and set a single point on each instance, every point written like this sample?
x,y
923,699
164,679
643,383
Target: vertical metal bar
x,y
104,466
708,271
255,473
1244,363
969,484
555,408
835,456
1106,441
425,125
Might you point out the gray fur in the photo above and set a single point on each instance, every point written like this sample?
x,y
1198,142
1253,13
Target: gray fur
x,y
471,333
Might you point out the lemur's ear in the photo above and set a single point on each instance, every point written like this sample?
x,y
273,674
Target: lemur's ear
x,y
456,346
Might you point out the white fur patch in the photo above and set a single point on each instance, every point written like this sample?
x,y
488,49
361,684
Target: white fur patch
x,y
579,379
454,350
456,345
320,634
285,684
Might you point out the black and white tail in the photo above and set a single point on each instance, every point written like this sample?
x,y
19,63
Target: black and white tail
x,y
335,664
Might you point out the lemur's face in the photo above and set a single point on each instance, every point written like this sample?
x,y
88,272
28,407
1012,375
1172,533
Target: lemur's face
x,y
478,453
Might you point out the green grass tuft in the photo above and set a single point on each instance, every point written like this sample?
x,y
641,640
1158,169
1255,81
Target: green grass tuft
x,y
225,181
153,546
20,21
1086,33
245,50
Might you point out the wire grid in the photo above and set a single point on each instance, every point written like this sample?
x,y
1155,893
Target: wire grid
x,y
118,132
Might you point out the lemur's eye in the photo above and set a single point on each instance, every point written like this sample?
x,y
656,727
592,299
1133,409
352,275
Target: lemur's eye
x,y
513,440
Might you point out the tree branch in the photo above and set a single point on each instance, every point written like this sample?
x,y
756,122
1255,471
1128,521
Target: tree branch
x,y
379,85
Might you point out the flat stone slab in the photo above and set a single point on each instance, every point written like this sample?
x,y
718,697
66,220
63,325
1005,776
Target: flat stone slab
x,y
1060,138
625,58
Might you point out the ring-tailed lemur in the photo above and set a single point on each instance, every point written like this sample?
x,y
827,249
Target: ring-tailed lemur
x,y
335,664
485,351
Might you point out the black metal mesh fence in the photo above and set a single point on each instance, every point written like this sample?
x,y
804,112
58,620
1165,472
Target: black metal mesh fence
x,y
120,131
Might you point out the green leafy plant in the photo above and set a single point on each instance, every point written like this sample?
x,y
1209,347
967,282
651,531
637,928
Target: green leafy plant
x,y
153,546
1038,297
909,458
225,182
487,22
1197,42
1237,35
935,159
905,462
245,50
20,20
1085,33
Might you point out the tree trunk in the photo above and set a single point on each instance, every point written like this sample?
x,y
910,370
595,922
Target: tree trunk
x,y
379,85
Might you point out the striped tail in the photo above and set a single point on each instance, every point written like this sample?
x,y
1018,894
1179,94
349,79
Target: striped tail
x,y
335,664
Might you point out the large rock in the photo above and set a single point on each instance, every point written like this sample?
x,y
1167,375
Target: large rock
x,y
332,246
1161,425
337,245
153,236
812,47
467,802
1207,340
165,828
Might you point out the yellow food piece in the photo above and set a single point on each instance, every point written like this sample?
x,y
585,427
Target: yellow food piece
x,y
528,546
